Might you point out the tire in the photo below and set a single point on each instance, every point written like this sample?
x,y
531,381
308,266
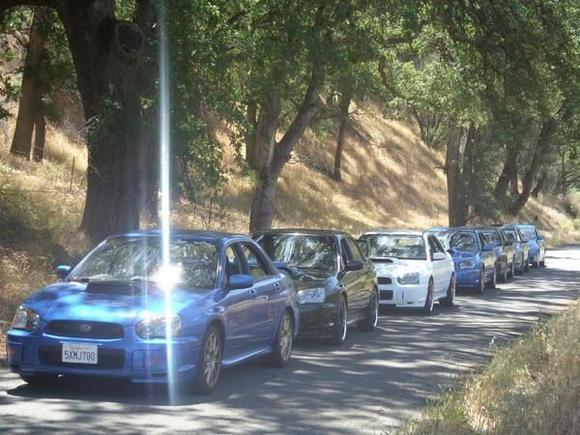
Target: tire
x,y
372,318
519,270
282,346
503,277
451,290
527,265
340,323
210,362
512,273
39,379
482,283
429,302
493,282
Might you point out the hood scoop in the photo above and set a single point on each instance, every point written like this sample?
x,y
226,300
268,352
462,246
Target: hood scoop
x,y
114,288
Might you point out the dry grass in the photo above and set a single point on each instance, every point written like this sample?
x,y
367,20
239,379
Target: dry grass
x,y
530,387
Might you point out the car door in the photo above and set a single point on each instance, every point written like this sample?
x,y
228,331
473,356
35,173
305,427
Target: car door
x,y
266,291
366,273
240,305
440,267
352,281
488,255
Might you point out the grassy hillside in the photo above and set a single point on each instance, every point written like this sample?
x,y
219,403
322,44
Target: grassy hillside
x,y
390,179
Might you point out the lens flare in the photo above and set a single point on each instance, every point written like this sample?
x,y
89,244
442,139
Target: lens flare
x,y
164,215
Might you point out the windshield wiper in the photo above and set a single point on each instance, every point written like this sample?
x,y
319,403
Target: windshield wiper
x,y
80,279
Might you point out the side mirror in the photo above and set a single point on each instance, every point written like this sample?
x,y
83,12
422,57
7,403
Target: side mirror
x,y
62,271
364,246
280,265
437,256
351,266
240,282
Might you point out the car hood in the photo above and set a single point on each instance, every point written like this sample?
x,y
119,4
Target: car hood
x,y
310,279
462,255
397,266
108,302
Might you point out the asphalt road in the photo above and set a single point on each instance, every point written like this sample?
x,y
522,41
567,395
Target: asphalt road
x,y
371,385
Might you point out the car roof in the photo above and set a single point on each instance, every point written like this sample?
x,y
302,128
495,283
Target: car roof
x,y
466,228
183,234
304,231
394,231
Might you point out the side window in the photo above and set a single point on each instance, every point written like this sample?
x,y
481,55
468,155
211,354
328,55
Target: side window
x,y
434,245
483,240
354,250
440,247
233,265
256,265
346,254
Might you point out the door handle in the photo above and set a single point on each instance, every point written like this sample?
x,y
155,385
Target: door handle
x,y
277,287
252,293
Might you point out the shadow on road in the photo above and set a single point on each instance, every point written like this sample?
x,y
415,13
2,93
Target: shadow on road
x,y
368,385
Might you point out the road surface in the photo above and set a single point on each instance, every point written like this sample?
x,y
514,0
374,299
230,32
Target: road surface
x,y
371,385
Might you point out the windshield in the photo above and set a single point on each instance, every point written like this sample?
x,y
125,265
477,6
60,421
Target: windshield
x,y
402,246
463,242
303,251
193,263
528,231
511,235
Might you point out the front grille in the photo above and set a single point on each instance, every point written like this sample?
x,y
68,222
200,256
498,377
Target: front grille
x,y
386,295
83,329
106,359
384,280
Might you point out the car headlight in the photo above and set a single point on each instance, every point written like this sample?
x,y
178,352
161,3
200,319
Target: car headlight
x,y
311,296
409,278
154,326
467,264
26,319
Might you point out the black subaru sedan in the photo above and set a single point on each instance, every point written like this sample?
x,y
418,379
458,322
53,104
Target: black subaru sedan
x,y
336,284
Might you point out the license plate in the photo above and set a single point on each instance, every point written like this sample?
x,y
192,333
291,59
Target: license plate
x,y
79,353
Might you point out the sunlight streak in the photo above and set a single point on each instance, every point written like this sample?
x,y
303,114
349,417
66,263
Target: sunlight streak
x,y
164,139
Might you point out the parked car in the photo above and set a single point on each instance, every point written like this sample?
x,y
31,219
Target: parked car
x,y
504,250
413,269
336,284
537,254
220,302
521,247
475,260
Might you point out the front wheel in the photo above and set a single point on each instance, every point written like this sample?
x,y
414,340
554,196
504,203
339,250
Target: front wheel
x,y
493,281
369,323
210,362
503,277
527,265
282,347
482,284
340,322
429,302
451,290
513,269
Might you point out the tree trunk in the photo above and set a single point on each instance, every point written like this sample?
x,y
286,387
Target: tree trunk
x,y
39,137
455,185
340,139
107,55
30,105
541,150
540,185
509,174
274,155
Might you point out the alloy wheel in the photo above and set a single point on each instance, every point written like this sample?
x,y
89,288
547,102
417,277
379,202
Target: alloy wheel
x,y
285,337
341,319
211,359
428,308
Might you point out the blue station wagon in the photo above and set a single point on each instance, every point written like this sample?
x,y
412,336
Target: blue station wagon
x,y
121,312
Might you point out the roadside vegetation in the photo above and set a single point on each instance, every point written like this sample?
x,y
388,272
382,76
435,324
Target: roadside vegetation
x,y
531,386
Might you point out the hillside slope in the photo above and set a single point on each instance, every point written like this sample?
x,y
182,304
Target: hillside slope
x,y
390,179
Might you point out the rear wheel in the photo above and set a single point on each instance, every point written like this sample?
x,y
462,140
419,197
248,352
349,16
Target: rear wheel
x,y
372,318
450,298
428,307
340,322
210,362
493,281
282,347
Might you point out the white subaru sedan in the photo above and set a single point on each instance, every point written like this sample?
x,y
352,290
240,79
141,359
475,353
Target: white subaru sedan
x,y
413,268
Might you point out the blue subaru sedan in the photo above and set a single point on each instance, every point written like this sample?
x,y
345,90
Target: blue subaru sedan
x,y
122,312
474,259
537,252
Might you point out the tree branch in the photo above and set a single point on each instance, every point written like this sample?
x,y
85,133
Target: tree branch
x,y
8,4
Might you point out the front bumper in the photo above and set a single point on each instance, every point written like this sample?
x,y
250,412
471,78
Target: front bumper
x,y
139,361
468,277
410,296
316,320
